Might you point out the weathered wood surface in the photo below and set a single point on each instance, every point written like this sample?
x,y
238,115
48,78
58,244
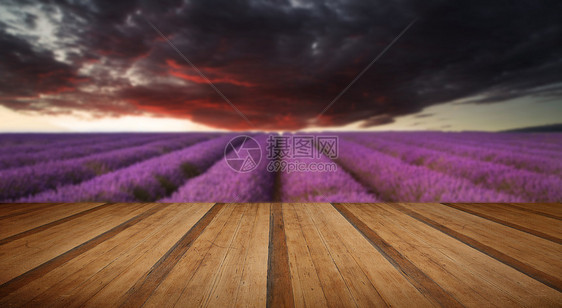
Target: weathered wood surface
x,y
280,255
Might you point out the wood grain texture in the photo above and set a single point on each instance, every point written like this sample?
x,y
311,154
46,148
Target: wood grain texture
x,y
550,209
279,287
252,287
32,223
332,282
416,277
197,290
8,210
472,277
49,265
280,255
539,253
537,225
307,287
371,277
132,266
146,285
546,278
99,276
547,210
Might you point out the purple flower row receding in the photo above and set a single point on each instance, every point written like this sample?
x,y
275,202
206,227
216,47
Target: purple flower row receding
x,y
395,181
530,186
543,141
222,184
320,186
25,181
485,152
388,166
61,152
145,181
501,143
36,143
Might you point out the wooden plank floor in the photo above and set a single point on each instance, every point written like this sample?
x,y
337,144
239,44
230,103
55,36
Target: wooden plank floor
x,y
280,255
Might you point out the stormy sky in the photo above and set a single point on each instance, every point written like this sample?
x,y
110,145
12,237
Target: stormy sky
x,y
280,63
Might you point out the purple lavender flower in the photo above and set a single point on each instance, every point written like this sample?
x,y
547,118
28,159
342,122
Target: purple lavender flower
x,y
223,184
144,181
64,151
333,185
531,186
396,181
25,181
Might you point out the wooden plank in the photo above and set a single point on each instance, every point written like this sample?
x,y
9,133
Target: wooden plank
x,y
433,291
146,285
252,288
227,281
360,286
168,292
521,267
382,284
198,289
336,291
16,274
552,211
472,277
42,214
109,286
78,278
24,254
279,287
307,288
85,256
538,253
32,223
142,258
537,225
47,290
8,210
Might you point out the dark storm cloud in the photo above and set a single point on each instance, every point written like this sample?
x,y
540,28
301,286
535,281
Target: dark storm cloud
x,y
280,62
27,72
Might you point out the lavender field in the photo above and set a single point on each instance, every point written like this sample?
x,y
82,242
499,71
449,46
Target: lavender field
x,y
369,167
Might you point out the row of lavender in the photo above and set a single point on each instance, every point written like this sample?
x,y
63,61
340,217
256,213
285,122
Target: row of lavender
x,y
520,155
147,180
64,150
198,173
506,177
54,174
371,167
